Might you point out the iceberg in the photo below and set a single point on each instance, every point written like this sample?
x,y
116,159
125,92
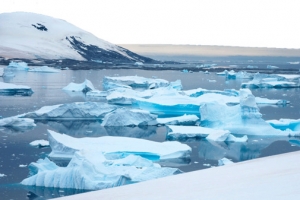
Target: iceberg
x,y
223,73
224,161
39,143
272,67
72,111
64,146
285,124
90,171
12,89
200,91
80,87
135,81
266,81
187,120
22,66
44,69
244,118
129,117
17,122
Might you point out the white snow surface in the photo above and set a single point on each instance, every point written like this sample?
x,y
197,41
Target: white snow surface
x,y
39,143
273,177
17,122
44,69
64,146
80,87
20,39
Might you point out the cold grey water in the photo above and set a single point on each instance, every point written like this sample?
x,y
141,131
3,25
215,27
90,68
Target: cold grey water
x,y
16,153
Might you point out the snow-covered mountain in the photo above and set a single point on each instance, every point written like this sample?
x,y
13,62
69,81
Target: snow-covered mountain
x,y
35,36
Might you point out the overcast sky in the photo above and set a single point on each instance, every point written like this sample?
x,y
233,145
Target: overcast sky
x,y
254,23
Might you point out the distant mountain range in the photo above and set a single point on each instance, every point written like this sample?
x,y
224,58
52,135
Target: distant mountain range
x,y
33,36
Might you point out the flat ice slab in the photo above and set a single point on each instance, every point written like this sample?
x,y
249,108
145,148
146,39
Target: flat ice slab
x,y
44,69
12,89
64,146
274,177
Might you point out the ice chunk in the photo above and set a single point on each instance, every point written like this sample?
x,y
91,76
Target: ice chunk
x,y
263,81
18,66
232,138
289,76
12,89
218,135
181,120
2,175
200,91
285,124
64,146
44,69
272,67
224,73
129,117
224,161
244,118
22,165
139,63
73,111
135,81
92,171
231,74
39,143
184,132
17,122
81,87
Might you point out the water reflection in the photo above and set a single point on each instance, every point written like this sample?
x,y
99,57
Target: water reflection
x,y
15,130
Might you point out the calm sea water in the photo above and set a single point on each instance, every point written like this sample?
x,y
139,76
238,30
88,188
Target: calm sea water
x,y
15,149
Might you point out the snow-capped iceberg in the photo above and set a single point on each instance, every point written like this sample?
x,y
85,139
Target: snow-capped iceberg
x,y
244,118
129,117
135,81
12,89
187,120
92,171
72,111
44,69
80,87
22,66
64,146
17,122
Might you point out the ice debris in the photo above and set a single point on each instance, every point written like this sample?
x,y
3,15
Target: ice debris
x,y
17,122
92,171
39,143
44,69
12,89
64,146
80,87
224,161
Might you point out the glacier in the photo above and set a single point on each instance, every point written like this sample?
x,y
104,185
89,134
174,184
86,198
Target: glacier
x,y
129,117
80,87
13,89
64,146
44,69
72,111
92,171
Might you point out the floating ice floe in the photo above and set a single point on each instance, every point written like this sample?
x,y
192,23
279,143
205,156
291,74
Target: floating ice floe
x,y
135,81
244,118
139,63
80,87
92,171
64,146
39,143
285,124
22,165
2,175
224,161
72,111
251,67
12,89
272,67
22,66
17,122
129,117
200,91
261,81
187,120
44,69
289,76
